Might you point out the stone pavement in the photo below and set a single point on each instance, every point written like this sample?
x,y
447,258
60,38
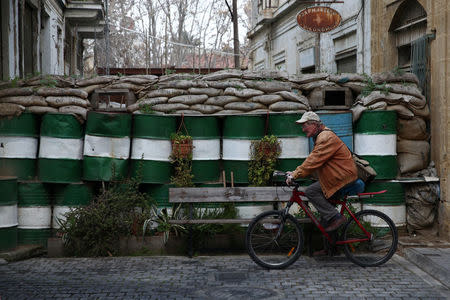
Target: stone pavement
x,y
212,277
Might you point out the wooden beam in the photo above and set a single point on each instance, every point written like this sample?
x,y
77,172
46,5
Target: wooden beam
x,y
238,194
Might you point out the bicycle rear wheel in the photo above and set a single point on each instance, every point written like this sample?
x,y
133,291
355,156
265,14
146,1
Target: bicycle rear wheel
x,y
381,245
274,243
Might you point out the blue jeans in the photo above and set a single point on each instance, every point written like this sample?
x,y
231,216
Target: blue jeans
x,y
353,188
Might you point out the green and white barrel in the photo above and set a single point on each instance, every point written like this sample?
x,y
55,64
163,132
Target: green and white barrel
x,y
106,146
151,147
60,149
293,141
206,153
68,197
34,213
376,141
8,213
19,138
238,133
160,194
392,203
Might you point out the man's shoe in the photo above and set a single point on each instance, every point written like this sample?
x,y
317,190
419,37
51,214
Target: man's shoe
x,y
336,224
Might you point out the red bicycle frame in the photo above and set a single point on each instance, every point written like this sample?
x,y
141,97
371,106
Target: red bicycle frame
x,y
296,198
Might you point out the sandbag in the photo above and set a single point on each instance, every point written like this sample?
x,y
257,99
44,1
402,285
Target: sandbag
x,y
228,112
178,76
244,106
188,99
287,105
423,112
46,91
268,86
225,74
146,101
266,99
355,86
165,93
243,93
72,109
222,100
11,109
66,100
25,100
125,86
226,84
40,110
211,92
413,129
177,84
169,107
306,78
265,74
421,205
292,96
379,78
317,84
412,155
23,91
406,89
402,111
206,109
188,112
91,88
346,77
138,80
102,80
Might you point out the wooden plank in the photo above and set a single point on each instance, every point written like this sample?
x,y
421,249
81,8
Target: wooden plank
x,y
225,221
237,194
112,91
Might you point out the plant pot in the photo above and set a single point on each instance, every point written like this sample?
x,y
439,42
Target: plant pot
x,y
182,149
267,149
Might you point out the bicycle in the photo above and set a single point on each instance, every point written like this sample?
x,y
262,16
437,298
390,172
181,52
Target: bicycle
x,y
274,239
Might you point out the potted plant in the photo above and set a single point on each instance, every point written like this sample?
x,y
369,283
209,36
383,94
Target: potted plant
x,y
181,145
264,154
181,159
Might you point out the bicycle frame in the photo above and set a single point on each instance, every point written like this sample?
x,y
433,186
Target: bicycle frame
x,y
297,198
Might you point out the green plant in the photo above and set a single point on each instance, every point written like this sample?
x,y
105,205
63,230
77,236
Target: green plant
x,y
95,230
264,154
169,71
397,71
48,81
146,108
371,86
181,159
160,222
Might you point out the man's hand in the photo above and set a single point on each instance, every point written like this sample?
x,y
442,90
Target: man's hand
x,y
289,178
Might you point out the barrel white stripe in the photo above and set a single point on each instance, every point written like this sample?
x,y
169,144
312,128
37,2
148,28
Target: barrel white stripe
x,y
206,149
375,144
101,146
150,149
58,148
34,217
58,213
396,212
235,149
297,147
18,147
8,216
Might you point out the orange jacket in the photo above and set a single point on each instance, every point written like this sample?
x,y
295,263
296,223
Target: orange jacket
x,y
333,162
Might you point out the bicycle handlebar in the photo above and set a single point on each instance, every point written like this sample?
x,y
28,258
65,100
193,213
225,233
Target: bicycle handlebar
x,y
285,175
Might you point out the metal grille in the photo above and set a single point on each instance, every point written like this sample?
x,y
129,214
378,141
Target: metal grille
x,y
419,62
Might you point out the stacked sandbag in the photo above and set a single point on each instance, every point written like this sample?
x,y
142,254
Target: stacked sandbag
x,y
223,92
400,93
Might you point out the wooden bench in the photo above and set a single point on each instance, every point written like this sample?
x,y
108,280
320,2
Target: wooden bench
x,y
193,196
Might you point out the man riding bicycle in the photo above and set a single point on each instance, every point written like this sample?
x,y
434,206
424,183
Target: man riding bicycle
x,y
332,161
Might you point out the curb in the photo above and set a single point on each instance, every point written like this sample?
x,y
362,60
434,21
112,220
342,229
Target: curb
x,y
21,252
419,257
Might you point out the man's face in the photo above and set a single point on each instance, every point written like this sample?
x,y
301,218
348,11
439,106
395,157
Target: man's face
x,y
309,128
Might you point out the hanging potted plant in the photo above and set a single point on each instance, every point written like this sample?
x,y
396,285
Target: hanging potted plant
x,y
264,154
181,145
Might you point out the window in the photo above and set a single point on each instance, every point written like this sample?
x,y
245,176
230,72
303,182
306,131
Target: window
x,y
346,64
28,39
307,61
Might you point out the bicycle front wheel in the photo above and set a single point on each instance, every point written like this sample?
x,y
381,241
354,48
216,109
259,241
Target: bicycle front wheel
x,y
377,249
272,242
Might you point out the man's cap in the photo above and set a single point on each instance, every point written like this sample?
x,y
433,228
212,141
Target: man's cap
x,y
308,116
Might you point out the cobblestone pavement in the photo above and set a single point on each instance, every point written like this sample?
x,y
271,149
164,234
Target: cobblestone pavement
x,y
212,277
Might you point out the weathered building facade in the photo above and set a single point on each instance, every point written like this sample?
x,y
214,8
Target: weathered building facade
x,y
416,34
46,36
374,36
277,42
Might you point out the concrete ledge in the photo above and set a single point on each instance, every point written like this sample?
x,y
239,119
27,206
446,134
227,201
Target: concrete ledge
x,y
22,252
434,261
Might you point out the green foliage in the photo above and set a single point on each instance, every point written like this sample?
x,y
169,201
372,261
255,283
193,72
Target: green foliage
x,y
159,222
169,71
371,86
397,71
146,109
48,81
181,160
95,230
263,154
